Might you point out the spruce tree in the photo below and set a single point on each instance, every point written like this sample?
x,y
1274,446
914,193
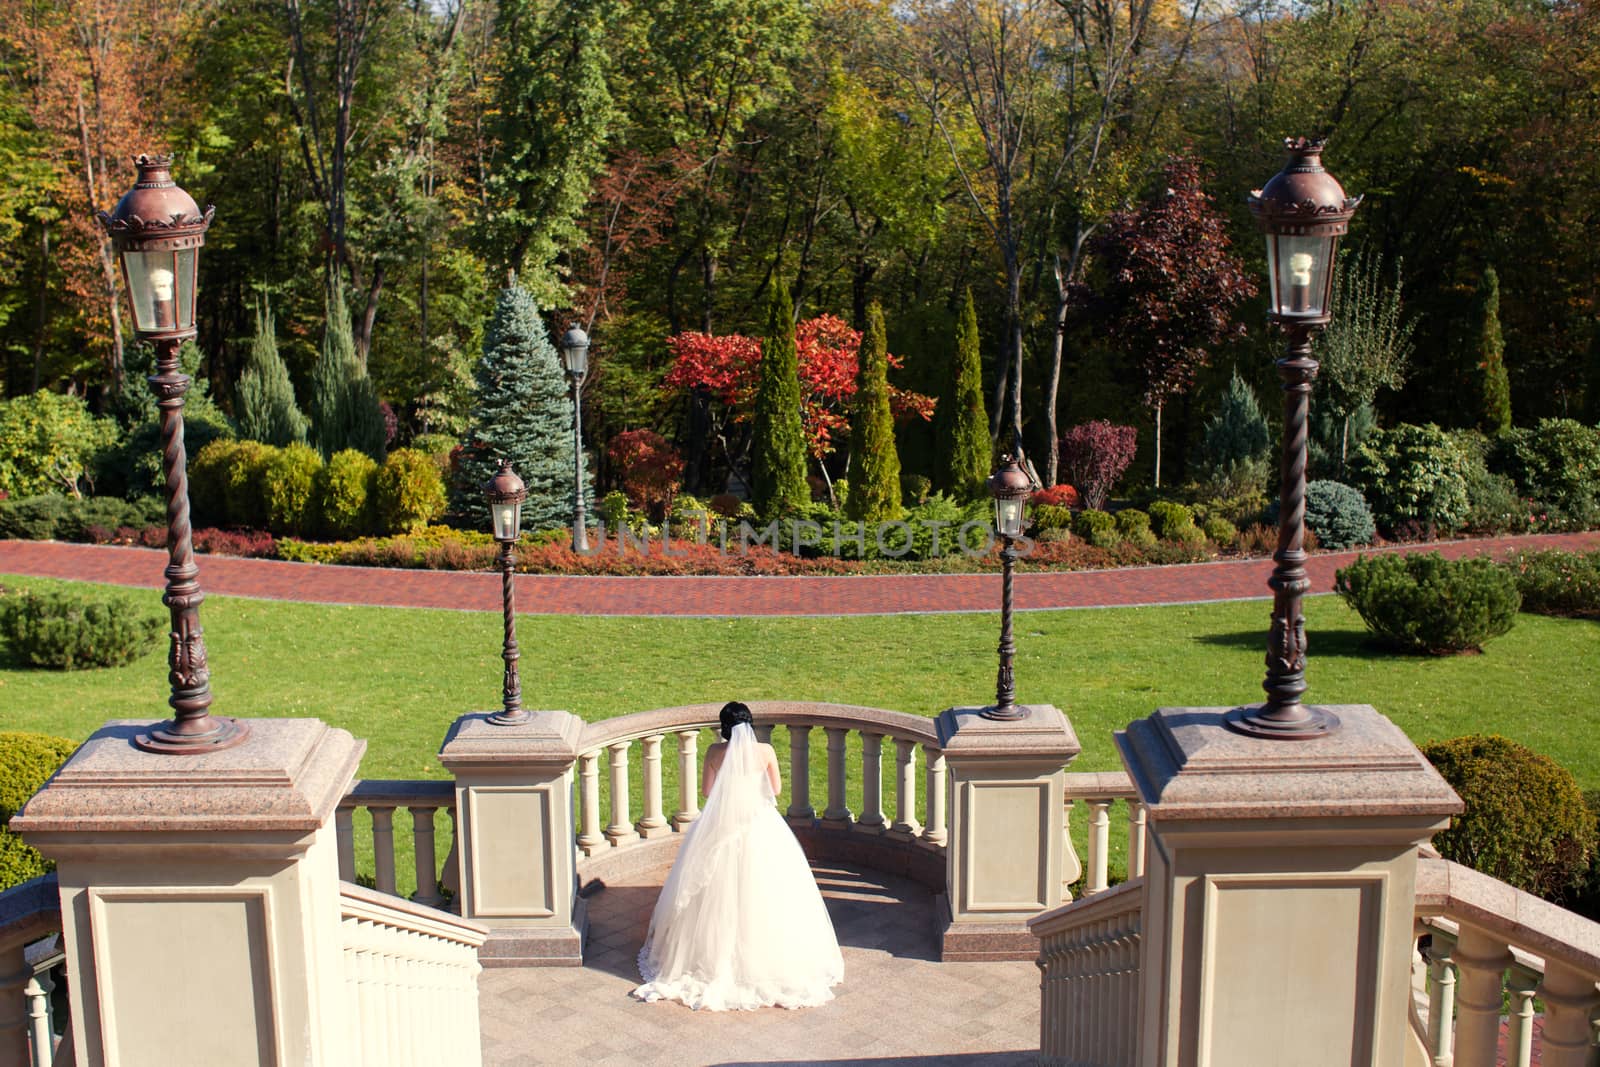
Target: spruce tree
x,y
344,404
266,407
778,468
523,412
963,430
1493,387
1237,442
875,477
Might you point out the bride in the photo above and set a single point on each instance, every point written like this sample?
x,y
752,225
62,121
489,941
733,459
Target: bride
x,y
740,923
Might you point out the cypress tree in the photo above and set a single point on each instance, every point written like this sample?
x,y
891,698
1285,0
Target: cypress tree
x,y
963,431
778,468
1494,388
266,407
344,404
523,413
875,481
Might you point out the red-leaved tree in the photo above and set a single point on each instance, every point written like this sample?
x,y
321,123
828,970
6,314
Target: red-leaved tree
x,y
1093,457
1166,286
651,469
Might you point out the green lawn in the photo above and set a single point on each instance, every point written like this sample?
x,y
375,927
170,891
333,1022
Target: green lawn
x,y
398,677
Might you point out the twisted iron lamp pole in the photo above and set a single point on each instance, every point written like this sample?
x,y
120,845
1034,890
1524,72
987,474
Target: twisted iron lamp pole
x,y
1303,211
1010,486
157,230
506,492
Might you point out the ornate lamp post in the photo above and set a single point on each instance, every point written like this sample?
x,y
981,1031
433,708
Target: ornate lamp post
x,y
506,494
1010,486
575,357
1304,212
157,230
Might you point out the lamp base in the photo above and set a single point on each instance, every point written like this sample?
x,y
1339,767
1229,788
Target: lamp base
x,y
1295,722
1005,712
511,718
228,732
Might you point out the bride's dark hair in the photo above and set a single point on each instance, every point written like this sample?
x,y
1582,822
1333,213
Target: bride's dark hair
x,y
734,713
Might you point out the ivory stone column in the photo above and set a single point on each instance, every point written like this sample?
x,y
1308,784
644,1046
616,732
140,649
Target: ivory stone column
x,y
800,811
199,894
1257,845
1004,857
514,819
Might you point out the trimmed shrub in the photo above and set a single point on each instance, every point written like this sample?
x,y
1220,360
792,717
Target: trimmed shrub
x,y
1133,526
1220,531
613,509
1525,821
1426,603
345,493
409,491
1096,527
1557,583
1339,514
288,483
33,518
1171,521
1557,465
72,631
1412,476
1062,495
1050,517
27,761
1093,457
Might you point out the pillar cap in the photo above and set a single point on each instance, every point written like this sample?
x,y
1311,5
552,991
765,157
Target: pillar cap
x,y
1187,764
1043,735
548,738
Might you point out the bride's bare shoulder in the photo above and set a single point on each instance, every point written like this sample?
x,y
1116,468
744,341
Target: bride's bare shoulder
x,y
716,750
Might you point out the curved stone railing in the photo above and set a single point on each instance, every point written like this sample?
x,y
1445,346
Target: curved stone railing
x,y
30,950
411,982
1098,791
615,740
1089,983
423,799
1493,946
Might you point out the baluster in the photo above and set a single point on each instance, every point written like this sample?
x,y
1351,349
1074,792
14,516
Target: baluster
x,y
800,809
383,849
688,779
450,877
872,819
838,812
1519,1030
589,837
1136,833
345,830
1481,962
1569,997
934,832
620,832
654,823
905,825
1099,844
427,857
1441,1000
1071,865
764,732
40,1028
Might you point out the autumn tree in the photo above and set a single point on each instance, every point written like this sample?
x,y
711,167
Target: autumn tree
x,y
875,464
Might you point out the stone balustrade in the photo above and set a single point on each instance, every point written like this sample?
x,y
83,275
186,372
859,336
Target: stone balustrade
x,y
30,951
411,982
1491,950
423,800
1089,983
1099,792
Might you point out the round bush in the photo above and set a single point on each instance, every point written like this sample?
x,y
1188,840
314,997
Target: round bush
x,y
73,631
1339,514
1413,476
26,762
1096,527
410,491
288,480
1557,583
209,469
1220,531
1050,517
33,518
344,493
1525,821
1167,518
1133,526
1426,603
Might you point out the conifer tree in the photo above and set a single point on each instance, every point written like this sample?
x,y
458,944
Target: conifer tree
x,y
963,425
875,478
266,407
523,413
1237,442
344,403
778,468
1493,387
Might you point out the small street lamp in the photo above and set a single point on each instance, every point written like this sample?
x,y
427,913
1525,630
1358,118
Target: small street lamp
x,y
506,494
157,230
1010,486
575,357
1304,212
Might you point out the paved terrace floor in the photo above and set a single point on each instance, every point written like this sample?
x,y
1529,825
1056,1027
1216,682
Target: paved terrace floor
x,y
897,1005
712,596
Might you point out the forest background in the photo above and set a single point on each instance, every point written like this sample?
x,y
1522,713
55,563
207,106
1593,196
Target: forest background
x,y
652,167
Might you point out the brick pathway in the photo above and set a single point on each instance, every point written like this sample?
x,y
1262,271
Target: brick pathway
x,y
897,1005
849,595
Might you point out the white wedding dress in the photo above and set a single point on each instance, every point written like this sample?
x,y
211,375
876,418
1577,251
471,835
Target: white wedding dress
x,y
740,923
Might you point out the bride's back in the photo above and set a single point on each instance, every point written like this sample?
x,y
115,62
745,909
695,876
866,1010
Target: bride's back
x,y
713,764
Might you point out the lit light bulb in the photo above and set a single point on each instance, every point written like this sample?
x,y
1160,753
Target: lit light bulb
x,y
1300,268
508,521
161,282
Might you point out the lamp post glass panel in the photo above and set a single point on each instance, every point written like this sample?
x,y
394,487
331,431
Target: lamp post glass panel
x,y
575,357
506,492
157,230
1303,211
1009,486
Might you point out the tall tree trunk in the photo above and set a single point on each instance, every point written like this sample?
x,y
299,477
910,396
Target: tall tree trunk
x,y
44,301
1014,297
708,280
1158,445
108,265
